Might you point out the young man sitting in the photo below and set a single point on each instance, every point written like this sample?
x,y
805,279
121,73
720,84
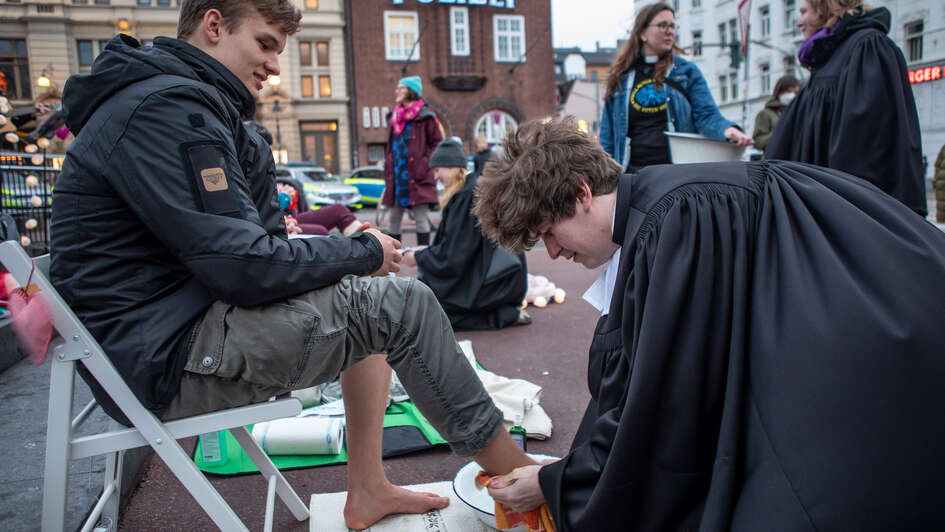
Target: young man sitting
x,y
168,241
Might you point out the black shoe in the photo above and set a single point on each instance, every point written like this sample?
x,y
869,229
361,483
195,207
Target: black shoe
x,y
423,239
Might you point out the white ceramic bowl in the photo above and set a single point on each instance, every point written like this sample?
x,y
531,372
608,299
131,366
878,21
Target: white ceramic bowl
x,y
693,148
464,486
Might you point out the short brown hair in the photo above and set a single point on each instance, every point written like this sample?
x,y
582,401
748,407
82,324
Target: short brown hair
x,y
538,180
281,13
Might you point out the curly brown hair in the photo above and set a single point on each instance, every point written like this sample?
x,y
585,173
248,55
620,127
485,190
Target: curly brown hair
x,y
538,180
281,13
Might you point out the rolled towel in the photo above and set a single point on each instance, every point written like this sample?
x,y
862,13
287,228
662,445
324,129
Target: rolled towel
x,y
300,436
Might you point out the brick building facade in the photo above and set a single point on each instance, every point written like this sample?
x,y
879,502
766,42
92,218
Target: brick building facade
x,y
486,65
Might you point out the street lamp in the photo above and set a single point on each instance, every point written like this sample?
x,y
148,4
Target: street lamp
x,y
274,82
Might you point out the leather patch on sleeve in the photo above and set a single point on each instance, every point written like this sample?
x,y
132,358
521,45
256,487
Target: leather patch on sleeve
x,y
214,179
215,189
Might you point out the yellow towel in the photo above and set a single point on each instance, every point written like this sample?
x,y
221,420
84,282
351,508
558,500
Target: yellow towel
x,y
536,520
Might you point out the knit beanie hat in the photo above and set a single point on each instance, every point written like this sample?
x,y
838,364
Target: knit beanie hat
x,y
413,83
449,154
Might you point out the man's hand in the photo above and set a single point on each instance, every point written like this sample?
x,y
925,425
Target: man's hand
x,y
519,490
292,226
736,135
392,257
409,258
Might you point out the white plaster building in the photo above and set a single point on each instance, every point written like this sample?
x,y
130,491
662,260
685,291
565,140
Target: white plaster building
x,y
918,27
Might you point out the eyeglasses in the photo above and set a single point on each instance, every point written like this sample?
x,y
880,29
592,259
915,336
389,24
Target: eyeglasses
x,y
666,26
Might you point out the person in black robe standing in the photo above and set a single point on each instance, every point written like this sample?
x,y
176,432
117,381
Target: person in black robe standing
x,y
857,113
771,357
479,285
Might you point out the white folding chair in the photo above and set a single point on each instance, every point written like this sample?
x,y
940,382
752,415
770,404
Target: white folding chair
x,y
62,446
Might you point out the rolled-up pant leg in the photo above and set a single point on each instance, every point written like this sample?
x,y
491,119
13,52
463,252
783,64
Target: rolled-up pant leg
x,y
310,339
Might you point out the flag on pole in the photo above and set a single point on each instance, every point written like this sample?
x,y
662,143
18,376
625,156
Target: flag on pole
x,y
744,15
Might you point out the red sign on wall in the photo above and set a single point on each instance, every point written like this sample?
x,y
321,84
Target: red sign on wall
x,y
929,73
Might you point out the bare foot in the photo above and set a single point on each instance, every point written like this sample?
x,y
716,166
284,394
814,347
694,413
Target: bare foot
x,y
364,508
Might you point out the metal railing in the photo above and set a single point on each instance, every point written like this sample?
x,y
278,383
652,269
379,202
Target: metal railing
x,y
27,182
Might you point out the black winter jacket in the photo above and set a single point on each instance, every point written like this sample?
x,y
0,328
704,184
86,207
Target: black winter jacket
x,y
166,203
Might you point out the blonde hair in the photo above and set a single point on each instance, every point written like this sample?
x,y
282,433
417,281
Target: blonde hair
x,y
456,183
830,11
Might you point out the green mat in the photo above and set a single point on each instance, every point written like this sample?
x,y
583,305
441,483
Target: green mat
x,y
398,415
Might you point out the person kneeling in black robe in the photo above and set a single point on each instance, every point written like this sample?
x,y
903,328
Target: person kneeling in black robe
x,y
479,285
772,356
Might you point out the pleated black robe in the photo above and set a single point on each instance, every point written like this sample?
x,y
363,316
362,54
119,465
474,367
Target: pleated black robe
x,y
455,267
773,359
857,113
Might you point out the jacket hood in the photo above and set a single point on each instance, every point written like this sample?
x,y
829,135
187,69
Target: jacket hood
x,y
773,103
877,19
816,51
124,61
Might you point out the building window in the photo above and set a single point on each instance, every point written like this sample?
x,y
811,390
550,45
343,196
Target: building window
x,y
790,64
914,40
765,78
495,125
696,3
86,55
400,33
164,2
375,153
320,144
765,12
305,54
308,89
14,65
509,33
324,86
311,4
733,80
722,37
790,15
144,2
733,30
697,43
723,88
459,30
321,48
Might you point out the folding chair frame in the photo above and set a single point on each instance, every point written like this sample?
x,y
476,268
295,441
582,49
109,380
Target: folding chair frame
x,y
147,429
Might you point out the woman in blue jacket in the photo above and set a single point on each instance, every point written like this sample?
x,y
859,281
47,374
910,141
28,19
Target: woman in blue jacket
x,y
651,90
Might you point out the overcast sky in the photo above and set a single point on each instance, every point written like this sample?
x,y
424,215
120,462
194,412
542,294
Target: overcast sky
x,y
585,22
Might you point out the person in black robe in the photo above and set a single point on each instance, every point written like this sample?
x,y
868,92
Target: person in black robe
x,y
857,113
772,355
479,285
